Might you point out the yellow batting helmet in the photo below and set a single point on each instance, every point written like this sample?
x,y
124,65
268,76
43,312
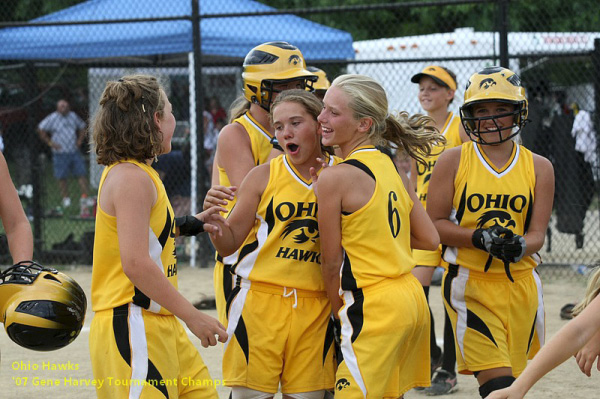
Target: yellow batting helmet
x,y
42,309
322,83
273,63
493,84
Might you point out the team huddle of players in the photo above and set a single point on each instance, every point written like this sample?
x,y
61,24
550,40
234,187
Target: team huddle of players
x,y
324,248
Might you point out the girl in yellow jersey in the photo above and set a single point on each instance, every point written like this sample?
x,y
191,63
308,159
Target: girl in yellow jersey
x,y
491,200
437,86
369,219
278,312
248,140
138,348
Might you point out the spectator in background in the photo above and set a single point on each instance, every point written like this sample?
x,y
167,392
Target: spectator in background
x,y
64,131
585,136
216,110
574,179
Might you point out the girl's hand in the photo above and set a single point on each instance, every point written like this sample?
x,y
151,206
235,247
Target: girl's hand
x,y
313,174
207,328
588,355
219,196
212,219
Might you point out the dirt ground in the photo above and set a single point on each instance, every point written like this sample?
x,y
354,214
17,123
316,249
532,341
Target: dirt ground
x,y
66,373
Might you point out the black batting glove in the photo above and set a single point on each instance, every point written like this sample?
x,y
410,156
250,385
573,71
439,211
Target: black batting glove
x,y
189,225
513,249
490,240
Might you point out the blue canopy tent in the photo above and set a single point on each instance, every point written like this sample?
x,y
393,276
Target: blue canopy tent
x,y
171,40
162,43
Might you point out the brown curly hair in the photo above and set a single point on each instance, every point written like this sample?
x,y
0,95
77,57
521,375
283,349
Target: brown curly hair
x,y
124,126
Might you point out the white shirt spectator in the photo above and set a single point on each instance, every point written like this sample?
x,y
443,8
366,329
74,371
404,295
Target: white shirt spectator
x,y
585,136
63,129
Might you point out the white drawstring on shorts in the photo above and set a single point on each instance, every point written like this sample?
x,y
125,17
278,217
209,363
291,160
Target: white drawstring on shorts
x,y
289,294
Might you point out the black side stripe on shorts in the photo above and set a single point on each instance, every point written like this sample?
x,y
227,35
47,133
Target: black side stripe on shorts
x,y
356,315
452,273
155,379
121,334
531,333
229,299
241,336
328,339
475,323
227,281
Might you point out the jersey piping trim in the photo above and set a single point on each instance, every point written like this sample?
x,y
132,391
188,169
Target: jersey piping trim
x,y
299,178
514,157
361,149
257,126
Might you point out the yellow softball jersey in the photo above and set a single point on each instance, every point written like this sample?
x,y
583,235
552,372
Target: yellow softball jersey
x,y
110,286
283,248
376,238
485,196
260,141
451,132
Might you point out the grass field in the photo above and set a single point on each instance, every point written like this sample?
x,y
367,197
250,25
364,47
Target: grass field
x,y
66,373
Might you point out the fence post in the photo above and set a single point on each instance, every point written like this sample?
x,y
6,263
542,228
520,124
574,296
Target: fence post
x,y
202,175
29,78
503,31
596,113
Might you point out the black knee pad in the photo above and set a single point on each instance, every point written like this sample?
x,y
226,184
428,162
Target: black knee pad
x,y
495,384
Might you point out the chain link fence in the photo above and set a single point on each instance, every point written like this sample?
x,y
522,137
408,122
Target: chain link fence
x,y
69,54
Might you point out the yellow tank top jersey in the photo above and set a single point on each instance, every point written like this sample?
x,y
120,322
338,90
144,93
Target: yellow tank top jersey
x,y
486,196
260,140
376,238
283,248
110,286
452,135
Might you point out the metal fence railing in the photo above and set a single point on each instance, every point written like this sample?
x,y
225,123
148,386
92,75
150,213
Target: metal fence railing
x,y
554,48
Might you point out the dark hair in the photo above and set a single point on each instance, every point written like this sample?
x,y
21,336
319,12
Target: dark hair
x,y
124,126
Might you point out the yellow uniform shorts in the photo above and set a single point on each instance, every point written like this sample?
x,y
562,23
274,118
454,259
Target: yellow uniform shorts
x,y
385,340
279,335
497,323
139,354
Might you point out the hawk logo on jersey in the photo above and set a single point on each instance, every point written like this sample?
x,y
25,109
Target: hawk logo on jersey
x,y
487,83
341,384
294,60
308,230
500,218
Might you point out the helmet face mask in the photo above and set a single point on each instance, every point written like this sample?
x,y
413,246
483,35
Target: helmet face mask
x,y
271,64
493,85
42,309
